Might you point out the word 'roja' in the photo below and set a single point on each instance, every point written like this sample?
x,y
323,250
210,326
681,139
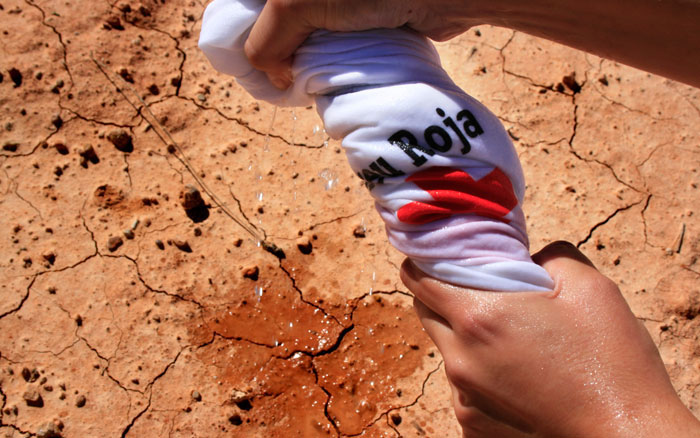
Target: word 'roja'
x,y
436,137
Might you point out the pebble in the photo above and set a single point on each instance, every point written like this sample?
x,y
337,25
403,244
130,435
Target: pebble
x,y
191,198
80,401
49,430
201,97
49,256
61,148
114,243
33,398
57,121
182,245
251,273
129,233
114,23
159,244
196,396
304,245
88,154
10,146
26,374
124,73
16,76
153,89
360,231
121,140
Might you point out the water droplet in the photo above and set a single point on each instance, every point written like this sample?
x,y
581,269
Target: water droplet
x,y
329,177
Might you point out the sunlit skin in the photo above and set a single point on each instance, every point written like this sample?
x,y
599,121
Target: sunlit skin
x,y
571,363
658,36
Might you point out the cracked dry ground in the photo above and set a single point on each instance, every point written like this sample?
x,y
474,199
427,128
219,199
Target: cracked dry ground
x,y
121,314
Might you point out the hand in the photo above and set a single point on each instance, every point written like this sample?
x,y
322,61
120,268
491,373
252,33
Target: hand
x,y
571,363
284,24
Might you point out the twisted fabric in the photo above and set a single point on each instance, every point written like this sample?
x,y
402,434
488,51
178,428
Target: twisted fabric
x,y
443,172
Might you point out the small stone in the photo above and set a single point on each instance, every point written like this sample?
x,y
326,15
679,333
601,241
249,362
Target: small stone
x,y
48,388
121,140
49,256
114,243
196,396
570,82
197,232
201,97
235,419
114,23
153,89
182,245
251,273
191,198
16,76
124,73
159,244
38,75
10,146
237,243
57,121
80,401
88,154
49,430
26,374
129,233
360,231
396,419
61,148
304,245
33,398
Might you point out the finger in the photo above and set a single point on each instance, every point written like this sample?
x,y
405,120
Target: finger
x,y
273,39
435,326
449,301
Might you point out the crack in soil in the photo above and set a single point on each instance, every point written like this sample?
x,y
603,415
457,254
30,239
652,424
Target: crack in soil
x,y
606,220
247,126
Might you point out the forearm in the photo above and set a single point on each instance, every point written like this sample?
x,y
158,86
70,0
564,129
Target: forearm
x,y
660,36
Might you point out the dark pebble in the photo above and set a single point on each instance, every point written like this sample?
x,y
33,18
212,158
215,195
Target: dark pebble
x,y
61,148
359,231
33,398
159,244
10,146
88,154
114,243
182,245
80,401
196,396
57,121
251,273
191,198
121,140
16,76
304,245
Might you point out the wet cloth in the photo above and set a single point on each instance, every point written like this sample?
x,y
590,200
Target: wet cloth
x,y
443,172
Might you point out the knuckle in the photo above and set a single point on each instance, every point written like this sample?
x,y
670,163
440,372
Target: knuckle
x,y
477,327
459,373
